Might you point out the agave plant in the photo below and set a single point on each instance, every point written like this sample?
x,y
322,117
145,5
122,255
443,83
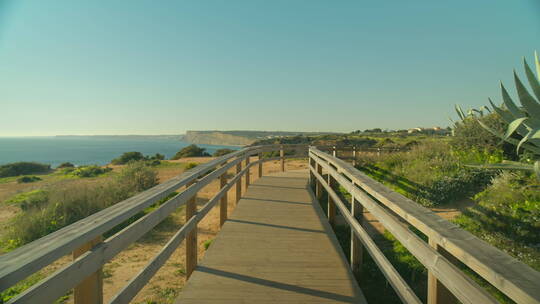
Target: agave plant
x,y
523,120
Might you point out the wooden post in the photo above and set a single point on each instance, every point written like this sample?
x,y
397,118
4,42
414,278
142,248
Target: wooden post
x,y
318,185
247,171
311,176
356,245
354,155
223,201
260,165
437,293
282,158
191,238
238,183
334,152
331,205
90,290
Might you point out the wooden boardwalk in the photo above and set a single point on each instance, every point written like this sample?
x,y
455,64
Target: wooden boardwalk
x,y
276,247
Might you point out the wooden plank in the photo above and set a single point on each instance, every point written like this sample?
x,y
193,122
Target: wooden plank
x,y
247,173
318,185
463,287
239,183
191,239
22,262
260,171
512,277
282,157
331,211
223,201
437,293
276,247
404,292
90,290
356,253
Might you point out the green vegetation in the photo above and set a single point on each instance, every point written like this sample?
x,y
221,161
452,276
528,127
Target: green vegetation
x,y
191,166
523,128
23,168
190,151
88,171
127,157
430,173
46,211
221,152
207,244
28,179
65,165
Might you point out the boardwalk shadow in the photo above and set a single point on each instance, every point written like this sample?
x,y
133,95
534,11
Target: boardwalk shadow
x,y
276,226
275,201
279,285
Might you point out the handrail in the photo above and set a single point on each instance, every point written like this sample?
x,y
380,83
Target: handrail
x,y
30,258
513,278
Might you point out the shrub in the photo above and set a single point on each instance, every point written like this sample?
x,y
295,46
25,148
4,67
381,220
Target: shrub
x,y
469,134
22,168
90,171
30,199
66,165
221,152
191,166
67,203
28,179
127,157
190,151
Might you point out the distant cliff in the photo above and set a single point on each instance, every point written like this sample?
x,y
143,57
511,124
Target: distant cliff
x,y
236,138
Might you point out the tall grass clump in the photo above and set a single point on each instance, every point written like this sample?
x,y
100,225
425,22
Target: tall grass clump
x,y
70,202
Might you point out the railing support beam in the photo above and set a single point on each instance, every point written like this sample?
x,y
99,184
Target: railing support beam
x,y
282,157
191,238
238,183
331,204
90,290
223,201
260,171
247,172
356,244
318,185
437,293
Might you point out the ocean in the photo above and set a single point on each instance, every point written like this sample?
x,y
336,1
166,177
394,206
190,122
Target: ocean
x,y
86,150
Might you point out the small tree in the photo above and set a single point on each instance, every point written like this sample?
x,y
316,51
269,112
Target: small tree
x,y
126,157
190,151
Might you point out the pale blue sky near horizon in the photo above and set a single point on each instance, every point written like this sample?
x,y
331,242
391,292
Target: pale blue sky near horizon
x,y
148,67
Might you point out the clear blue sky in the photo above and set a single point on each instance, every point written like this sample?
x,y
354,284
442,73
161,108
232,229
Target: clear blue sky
x,y
163,67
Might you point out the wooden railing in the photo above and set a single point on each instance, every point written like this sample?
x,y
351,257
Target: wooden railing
x,y
448,245
84,240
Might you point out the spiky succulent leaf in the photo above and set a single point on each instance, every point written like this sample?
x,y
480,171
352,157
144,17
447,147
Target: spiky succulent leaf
x,y
460,112
533,81
509,104
537,168
518,166
513,126
537,63
511,140
531,106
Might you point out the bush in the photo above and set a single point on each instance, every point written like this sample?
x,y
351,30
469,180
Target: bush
x,y
190,151
127,157
90,171
30,199
28,179
191,166
22,168
469,134
67,203
66,165
221,152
